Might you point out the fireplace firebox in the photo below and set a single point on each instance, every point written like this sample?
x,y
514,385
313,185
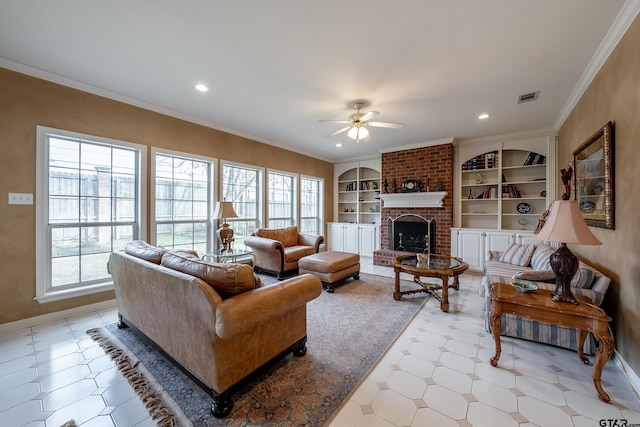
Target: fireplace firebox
x,y
413,236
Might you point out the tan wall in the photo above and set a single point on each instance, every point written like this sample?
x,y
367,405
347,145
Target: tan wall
x,y
26,102
615,95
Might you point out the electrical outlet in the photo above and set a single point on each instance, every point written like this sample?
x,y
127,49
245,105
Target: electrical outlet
x,y
20,198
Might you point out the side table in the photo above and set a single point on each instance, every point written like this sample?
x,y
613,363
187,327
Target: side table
x,y
538,305
226,256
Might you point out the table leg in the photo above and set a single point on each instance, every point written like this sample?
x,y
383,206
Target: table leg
x,y
444,304
496,328
605,351
456,282
397,295
582,336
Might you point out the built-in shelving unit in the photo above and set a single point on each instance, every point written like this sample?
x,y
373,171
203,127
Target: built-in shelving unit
x,y
358,194
504,193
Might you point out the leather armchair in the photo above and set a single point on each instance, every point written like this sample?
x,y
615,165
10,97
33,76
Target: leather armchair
x,y
277,250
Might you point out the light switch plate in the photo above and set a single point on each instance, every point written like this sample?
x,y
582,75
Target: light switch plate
x,y
20,198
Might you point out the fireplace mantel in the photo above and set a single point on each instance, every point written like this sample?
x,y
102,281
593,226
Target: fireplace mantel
x,y
432,199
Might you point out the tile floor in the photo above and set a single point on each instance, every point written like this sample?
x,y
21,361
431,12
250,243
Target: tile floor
x,y
435,374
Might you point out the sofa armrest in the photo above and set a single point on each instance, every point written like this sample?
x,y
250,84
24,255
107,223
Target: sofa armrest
x,y
252,308
263,243
310,240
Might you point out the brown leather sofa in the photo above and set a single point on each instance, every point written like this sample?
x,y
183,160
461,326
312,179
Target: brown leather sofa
x,y
277,250
219,336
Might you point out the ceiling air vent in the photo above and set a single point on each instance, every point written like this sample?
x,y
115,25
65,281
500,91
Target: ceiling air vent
x,y
528,97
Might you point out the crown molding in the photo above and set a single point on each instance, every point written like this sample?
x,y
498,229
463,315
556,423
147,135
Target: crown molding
x,y
418,145
620,26
94,90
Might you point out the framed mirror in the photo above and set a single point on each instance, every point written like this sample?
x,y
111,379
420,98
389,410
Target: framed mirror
x,y
593,169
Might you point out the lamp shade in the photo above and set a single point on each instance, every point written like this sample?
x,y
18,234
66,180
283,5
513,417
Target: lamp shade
x,y
224,210
565,224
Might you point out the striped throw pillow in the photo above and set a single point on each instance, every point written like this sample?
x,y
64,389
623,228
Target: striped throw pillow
x,y
582,279
518,254
540,259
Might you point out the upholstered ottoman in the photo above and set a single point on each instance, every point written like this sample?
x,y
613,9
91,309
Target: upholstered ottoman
x,y
331,267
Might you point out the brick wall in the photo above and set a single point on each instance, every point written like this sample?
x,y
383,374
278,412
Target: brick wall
x,y
427,164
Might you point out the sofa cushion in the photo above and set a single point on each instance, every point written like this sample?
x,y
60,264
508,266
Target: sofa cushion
x,y
537,275
540,258
294,253
143,250
288,236
226,279
518,254
583,278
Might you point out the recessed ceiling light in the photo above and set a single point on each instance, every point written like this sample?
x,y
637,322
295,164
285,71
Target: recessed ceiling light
x,y
484,116
202,88
338,145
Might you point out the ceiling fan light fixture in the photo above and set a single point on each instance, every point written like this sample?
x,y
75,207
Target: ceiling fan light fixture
x,y
358,133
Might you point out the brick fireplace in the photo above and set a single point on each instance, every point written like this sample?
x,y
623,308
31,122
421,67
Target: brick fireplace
x,y
430,166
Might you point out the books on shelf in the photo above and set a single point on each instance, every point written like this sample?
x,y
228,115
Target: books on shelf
x,y
510,192
368,185
489,192
482,161
532,158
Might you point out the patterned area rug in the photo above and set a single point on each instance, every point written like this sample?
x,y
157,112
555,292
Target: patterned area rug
x,y
348,331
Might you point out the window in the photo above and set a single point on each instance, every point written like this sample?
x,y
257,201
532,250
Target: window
x,y
311,205
88,205
182,201
281,197
242,186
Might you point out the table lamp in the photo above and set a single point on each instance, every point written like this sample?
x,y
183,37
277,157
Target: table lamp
x,y
565,224
223,211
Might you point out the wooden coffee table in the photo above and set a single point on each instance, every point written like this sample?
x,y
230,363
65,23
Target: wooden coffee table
x,y
538,305
439,266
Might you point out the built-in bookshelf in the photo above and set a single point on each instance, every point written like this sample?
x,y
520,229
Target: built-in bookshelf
x,y
503,190
358,195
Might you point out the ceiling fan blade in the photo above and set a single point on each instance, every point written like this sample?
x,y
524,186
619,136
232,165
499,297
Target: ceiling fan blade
x,y
387,125
368,116
338,131
335,121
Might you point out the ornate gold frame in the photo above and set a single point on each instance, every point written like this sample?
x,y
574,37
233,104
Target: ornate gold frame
x,y
594,173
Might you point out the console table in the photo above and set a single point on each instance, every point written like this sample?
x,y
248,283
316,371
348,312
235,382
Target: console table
x,y
537,305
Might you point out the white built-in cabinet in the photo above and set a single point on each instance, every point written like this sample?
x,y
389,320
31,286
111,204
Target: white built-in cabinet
x,y
473,245
356,226
361,239
501,188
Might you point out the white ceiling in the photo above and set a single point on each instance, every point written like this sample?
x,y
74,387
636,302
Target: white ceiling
x,y
274,68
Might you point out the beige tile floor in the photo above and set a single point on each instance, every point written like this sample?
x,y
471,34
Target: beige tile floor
x,y
435,374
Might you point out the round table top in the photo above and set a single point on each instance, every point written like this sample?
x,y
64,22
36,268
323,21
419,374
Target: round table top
x,y
431,262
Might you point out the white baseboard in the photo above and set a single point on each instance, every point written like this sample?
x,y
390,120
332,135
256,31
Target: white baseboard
x,y
32,321
633,378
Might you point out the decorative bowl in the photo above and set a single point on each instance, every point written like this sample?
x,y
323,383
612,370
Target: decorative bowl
x,y
523,286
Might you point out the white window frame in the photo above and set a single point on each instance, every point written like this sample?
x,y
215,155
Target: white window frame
x,y
294,219
320,217
213,164
260,208
44,291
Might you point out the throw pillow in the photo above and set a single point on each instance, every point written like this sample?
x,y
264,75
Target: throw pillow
x,y
143,250
518,254
539,276
226,279
540,259
583,278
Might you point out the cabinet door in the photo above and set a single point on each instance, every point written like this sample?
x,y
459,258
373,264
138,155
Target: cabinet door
x,y
471,249
368,240
350,238
526,239
496,241
336,237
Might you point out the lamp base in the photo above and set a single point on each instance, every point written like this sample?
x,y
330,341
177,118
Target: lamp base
x,y
564,265
225,236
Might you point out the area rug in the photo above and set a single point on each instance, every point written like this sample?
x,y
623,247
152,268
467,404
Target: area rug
x,y
348,331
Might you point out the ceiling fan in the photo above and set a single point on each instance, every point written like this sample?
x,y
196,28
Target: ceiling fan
x,y
358,123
